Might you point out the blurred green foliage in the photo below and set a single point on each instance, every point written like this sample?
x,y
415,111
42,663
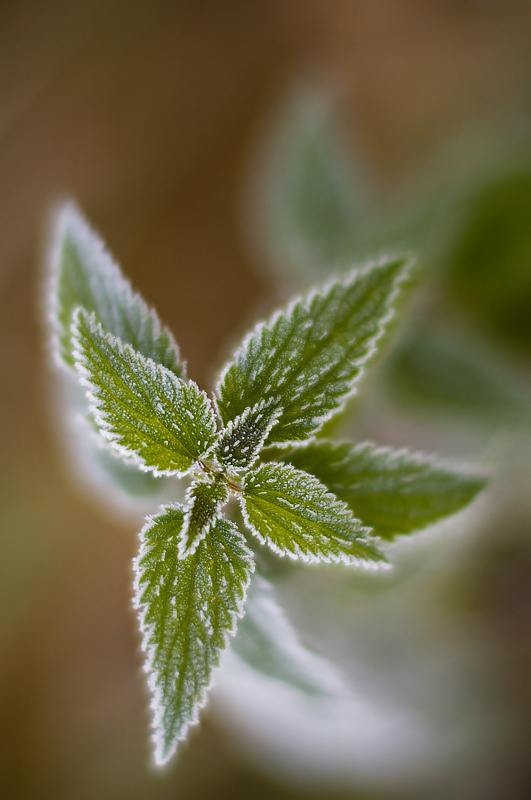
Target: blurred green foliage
x,y
489,261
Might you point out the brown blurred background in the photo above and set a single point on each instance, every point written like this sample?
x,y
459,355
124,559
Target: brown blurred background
x,y
146,113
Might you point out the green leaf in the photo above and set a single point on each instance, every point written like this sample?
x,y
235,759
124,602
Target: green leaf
x,y
205,499
188,610
393,491
307,359
243,438
268,643
83,274
143,409
295,515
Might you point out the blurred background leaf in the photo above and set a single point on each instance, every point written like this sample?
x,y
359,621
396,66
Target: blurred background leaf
x,y
313,201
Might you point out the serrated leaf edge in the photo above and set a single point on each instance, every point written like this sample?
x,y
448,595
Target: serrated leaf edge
x,y
182,550
320,558
262,406
307,300
156,705
66,217
95,402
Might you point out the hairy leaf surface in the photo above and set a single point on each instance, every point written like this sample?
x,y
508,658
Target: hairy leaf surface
x,y
241,441
188,607
205,499
83,274
142,408
393,491
307,358
296,516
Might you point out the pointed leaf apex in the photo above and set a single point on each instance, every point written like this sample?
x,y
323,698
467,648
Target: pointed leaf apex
x,y
243,438
188,609
204,502
309,357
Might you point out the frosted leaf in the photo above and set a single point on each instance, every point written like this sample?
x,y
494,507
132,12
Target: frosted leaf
x,y
243,438
308,358
83,274
205,499
295,515
188,609
269,644
142,408
393,491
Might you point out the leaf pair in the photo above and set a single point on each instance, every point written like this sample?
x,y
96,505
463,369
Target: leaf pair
x,y
317,502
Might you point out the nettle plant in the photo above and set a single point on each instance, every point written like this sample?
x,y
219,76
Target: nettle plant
x,y
252,443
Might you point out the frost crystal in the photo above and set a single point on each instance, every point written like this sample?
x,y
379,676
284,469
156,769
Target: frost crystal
x,y
308,358
204,503
243,438
296,516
